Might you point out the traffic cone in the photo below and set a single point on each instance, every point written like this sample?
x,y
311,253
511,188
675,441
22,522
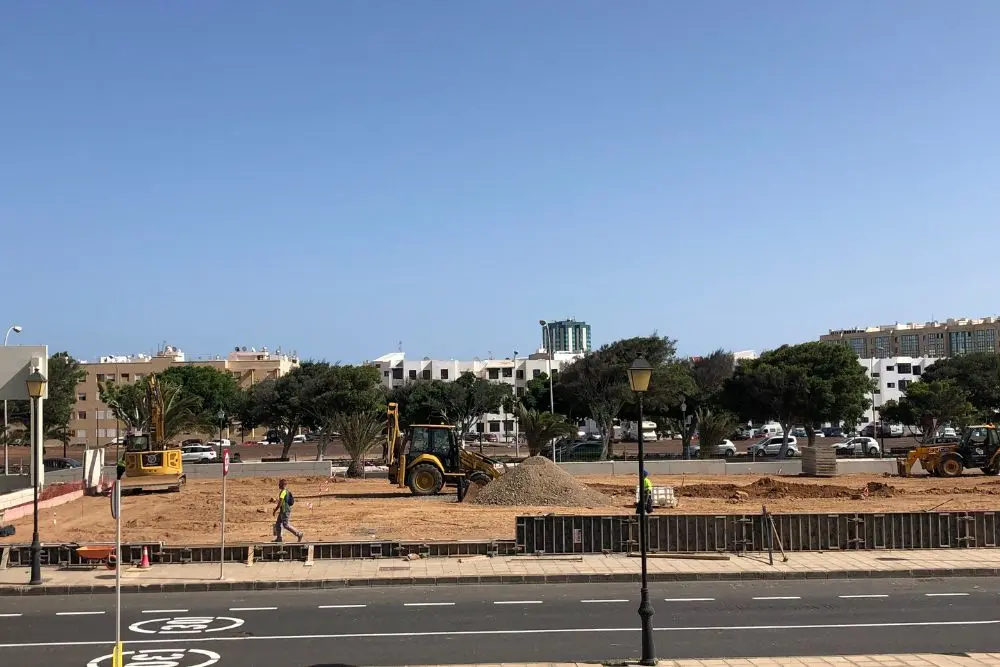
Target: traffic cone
x,y
144,563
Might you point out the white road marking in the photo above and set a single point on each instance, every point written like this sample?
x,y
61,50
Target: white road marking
x,y
597,601
945,595
858,597
428,604
9,615
689,600
518,602
164,611
475,633
253,609
342,606
779,597
79,613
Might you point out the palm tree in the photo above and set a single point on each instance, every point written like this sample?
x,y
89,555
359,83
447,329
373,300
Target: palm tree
x,y
539,428
713,428
359,431
130,404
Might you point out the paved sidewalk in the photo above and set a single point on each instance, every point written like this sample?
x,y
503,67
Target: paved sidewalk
x,y
513,569
904,660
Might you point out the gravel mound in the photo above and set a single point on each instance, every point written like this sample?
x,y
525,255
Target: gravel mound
x,y
538,481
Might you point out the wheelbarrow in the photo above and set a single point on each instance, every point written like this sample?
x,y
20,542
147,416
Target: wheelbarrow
x,y
95,554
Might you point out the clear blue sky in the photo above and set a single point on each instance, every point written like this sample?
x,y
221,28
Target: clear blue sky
x,y
338,176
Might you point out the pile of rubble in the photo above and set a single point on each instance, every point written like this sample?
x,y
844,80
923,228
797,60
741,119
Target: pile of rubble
x,y
537,481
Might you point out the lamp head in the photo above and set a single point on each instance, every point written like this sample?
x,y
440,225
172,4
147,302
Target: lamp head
x,y
36,384
16,329
639,374
542,322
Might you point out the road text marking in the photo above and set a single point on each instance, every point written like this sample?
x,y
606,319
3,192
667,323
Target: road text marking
x,y
779,597
690,599
342,606
79,613
598,601
858,597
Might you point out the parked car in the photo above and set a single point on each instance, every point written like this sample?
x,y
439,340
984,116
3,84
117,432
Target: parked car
x,y
225,442
771,446
60,463
859,446
198,454
725,449
834,432
298,439
192,441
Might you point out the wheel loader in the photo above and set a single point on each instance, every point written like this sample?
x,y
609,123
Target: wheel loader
x,y
428,457
979,447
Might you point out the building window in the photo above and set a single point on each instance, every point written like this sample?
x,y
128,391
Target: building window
x,y
125,377
494,427
519,391
385,374
535,373
904,369
100,377
508,372
397,373
139,376
444,373
889,369
916,370
81,433
984,340
909,345
81,397
413,375
480,427
494,373
890,385
520,374
881,347
877,391
858,345
903,384
876,375
82,414
426,374
960,342
111,377
104,414
508,425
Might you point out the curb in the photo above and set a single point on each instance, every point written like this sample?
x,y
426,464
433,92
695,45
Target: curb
x,y
622,578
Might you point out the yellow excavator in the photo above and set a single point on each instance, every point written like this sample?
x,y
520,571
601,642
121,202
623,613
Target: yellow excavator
x,y
151,463
429,457
978,448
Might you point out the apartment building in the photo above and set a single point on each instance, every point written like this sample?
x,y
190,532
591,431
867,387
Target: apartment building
x,y
950,338
398,371
567,336
94,423
892,376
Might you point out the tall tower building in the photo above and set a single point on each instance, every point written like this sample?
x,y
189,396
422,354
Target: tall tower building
x,y
567,336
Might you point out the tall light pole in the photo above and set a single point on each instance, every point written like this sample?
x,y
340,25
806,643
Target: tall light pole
x,y
639,374
222,422
36,389
547,341
685,448
6,439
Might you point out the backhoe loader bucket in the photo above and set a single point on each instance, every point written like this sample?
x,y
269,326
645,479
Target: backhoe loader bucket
x,y
903,467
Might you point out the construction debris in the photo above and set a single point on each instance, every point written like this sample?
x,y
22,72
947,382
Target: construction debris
x,y
539,482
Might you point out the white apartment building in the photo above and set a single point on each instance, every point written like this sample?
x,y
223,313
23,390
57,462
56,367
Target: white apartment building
x,y
893,375
398,371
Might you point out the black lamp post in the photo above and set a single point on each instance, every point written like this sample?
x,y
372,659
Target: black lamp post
x,y
639,374
221,414
36,389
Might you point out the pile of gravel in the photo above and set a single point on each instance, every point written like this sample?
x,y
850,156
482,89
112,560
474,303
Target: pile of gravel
x,y
539,481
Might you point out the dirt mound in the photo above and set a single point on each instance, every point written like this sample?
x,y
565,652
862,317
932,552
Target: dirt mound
x,y
881,490
768,488
539,482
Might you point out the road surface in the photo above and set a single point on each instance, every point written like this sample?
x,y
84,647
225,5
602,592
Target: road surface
x,y
514,623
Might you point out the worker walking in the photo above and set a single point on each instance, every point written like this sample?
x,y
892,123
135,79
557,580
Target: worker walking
x,y
283,510
647,491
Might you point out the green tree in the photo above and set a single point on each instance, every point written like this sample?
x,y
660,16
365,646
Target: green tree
x,y
130,404
283,404
540,428
421,402
707,378
536,393
978,375
214,390
713,427
359,431
470,398
64,374
807,383
930,404
334,391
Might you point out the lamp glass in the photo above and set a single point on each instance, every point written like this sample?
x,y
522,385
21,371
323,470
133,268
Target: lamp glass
x,y
639,374
36,384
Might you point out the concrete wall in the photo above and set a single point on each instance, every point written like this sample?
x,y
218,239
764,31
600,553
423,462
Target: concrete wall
x,y
722,468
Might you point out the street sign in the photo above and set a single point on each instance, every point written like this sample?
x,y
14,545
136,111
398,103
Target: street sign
x,y
225,461
115,508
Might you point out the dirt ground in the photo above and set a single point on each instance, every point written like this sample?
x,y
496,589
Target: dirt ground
x,y
360,510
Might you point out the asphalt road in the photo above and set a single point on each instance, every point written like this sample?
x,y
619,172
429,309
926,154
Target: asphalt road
x,y
514,623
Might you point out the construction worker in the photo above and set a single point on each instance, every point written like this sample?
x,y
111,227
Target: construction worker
x,y
647,491
283,510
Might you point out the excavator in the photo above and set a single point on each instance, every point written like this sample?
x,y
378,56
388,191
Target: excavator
x,y
429,457
151,463
979,447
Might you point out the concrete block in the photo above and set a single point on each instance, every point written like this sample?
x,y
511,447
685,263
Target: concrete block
x,y
786,467
591,468
871,466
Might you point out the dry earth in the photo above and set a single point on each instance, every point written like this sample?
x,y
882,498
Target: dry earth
x,y
372,509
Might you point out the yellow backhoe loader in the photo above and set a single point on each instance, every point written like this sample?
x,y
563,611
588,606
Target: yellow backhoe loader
x,y
151,463
429,457
978,448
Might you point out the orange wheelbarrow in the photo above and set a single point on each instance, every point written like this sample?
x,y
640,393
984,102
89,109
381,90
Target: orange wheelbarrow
x,y
97,554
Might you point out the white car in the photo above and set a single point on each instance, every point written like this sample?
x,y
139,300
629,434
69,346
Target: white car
x,y
298,439
199,454
225,442
859,446
771,446
726,449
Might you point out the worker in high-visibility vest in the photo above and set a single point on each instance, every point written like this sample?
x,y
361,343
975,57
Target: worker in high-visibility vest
x,y
647,491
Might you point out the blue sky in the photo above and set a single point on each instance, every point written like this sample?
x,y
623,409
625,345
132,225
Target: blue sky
x,y
336,177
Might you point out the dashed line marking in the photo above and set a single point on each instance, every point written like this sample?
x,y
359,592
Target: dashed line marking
x,y
429,604
779,597
164,611
859,597
518,602
9,615
79,613
253,609
945,595
689,600
600,601
342,606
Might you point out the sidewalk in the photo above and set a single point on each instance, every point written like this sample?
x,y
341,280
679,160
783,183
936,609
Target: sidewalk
x,y
903,660
513,569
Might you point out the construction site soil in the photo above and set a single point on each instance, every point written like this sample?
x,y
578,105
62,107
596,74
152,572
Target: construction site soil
x,y
362,510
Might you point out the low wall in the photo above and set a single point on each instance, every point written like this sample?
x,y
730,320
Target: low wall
x,y
722,467
255,469
10,483
16,498
28,509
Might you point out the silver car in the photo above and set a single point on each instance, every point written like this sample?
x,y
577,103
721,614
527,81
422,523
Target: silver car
x,y
771,446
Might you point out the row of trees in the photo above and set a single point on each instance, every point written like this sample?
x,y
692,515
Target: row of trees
x,y
959,390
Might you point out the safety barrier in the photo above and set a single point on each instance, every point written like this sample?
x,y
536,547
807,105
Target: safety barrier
x,y
555,534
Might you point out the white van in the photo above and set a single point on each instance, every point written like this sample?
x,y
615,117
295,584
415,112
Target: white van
x,y
770,430
630,431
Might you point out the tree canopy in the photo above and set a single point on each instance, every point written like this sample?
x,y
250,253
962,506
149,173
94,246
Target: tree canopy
x,y
211,388
64,374
460,402
129,402
977,375
930,404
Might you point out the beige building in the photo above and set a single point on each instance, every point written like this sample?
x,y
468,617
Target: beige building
x,y
931,339
93,423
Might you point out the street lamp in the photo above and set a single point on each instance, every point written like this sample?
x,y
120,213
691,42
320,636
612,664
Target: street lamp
x,y
36,389
639,374
684,426
221,414
547,340
6,466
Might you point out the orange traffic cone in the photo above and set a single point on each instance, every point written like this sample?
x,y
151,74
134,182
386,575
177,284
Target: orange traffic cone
x,y
144,563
